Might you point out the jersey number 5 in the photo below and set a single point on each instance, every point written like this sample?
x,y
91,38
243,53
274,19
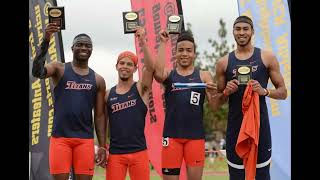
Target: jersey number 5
x,y
195,98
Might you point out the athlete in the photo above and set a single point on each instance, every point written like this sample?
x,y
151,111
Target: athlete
x,y
77,91
264,65
183,134
127,104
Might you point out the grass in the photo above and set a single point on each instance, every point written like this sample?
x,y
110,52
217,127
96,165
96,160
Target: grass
x,y
213,170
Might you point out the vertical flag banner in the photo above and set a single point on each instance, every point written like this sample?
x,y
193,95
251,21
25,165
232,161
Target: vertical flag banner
x,y
41,91
153,17
272,25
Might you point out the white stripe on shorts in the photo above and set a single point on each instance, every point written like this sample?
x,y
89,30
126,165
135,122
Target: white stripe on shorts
x,y
261,165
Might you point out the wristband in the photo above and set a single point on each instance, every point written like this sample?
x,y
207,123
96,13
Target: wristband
x,y
267,91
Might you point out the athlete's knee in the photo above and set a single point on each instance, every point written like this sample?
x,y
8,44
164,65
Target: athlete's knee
x,y
171,171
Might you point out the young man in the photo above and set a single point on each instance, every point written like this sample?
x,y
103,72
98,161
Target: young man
x,y
264,65
77,90
183,134
127,105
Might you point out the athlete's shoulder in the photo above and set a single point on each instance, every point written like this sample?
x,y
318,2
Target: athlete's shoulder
x,y
205,76
100,81
99,78
268,57
223,61
204,72
57,64
267,53
107,95
57,69
168,71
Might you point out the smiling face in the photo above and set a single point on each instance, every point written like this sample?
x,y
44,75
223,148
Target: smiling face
x,y
242,33
185,53
126,68
82,48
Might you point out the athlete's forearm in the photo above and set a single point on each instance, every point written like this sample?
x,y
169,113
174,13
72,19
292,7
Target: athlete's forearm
x,y
101,126
217,101
38,69
279,93
148,60
160,62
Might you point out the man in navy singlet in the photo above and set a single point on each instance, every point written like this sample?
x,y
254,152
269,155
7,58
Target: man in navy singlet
x,y
183,134
77,91
264,65
126,109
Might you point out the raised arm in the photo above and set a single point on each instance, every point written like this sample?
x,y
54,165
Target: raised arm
x,y
145,82
39,69
100,120
160,72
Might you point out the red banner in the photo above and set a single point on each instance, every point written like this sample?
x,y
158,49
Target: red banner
x,y
153,17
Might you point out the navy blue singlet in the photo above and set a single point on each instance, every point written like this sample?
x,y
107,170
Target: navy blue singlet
x,y
74,100
184,107
235,116
127,114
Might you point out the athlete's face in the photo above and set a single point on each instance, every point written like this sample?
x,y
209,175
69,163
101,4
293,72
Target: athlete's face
x,y
82,48
125,68
185,53
242,33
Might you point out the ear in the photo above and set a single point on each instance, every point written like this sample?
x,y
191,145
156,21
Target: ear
x,y
195,55
135,68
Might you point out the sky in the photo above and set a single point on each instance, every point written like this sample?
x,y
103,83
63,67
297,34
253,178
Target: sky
x,y
102,21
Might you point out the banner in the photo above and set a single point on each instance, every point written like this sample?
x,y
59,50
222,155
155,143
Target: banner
x,y
41,91
272,26
153,17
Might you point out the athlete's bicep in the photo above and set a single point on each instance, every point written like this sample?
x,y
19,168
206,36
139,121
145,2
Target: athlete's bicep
x,y
274,73
146,79
101,90
106,105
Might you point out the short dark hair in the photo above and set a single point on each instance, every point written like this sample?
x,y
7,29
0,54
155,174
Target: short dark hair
x,y
186,36
80,35
244,19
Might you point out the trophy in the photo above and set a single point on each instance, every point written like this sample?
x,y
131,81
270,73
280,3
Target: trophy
x,y
56,15
130,22
174,23
243,74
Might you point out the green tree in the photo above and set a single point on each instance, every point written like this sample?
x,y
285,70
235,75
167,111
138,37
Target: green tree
x,y
214,121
